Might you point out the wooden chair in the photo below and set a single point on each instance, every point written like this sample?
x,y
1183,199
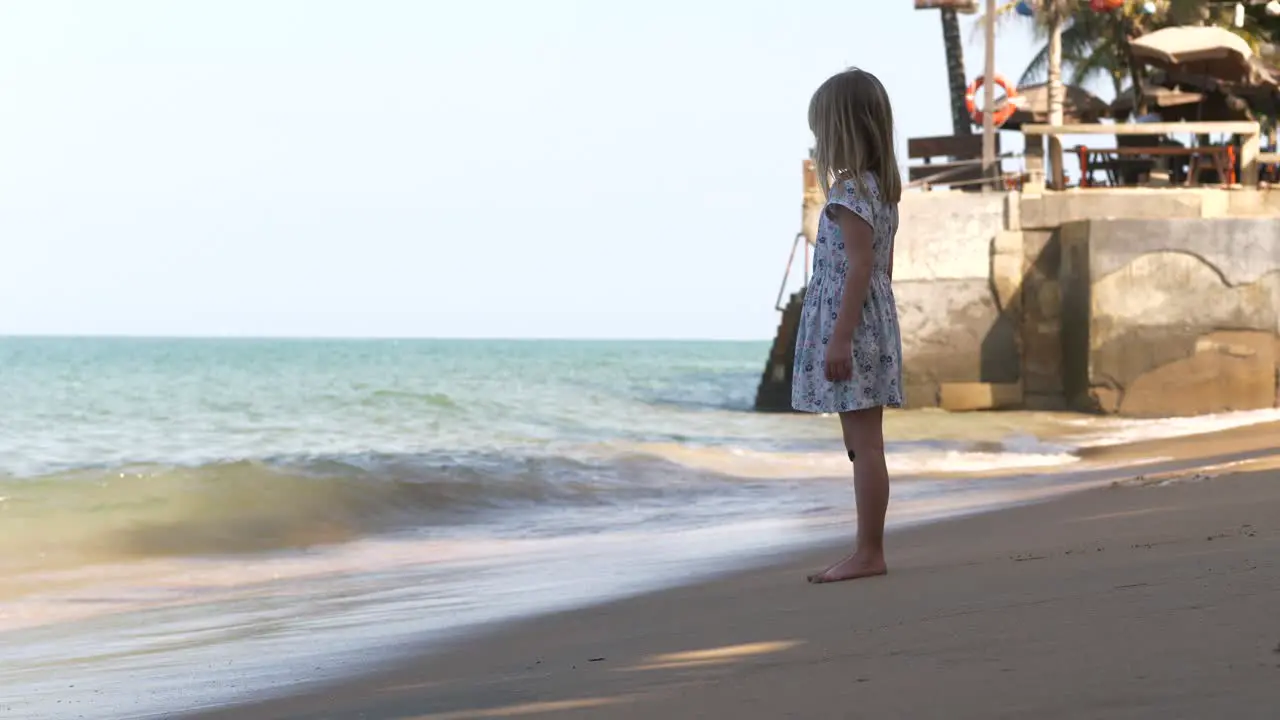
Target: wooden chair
x,y
963,168
1134,170
1270,163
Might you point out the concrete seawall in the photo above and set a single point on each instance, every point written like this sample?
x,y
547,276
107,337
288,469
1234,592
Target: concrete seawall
x,y
1131,301
1170,317
955,329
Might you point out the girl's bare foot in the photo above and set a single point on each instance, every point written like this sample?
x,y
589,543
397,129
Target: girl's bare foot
x,y
857,565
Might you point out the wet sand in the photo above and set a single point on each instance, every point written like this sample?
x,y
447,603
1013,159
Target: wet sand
x,y
1158,597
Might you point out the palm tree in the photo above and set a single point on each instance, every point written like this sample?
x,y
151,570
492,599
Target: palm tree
x,y
1050,17
1092,43
960,122
1088,50
1056,14
1096,44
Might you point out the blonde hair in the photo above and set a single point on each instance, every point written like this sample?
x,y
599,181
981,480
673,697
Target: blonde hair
x,y
852,120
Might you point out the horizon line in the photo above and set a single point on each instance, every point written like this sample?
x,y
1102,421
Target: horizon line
x,y
365,338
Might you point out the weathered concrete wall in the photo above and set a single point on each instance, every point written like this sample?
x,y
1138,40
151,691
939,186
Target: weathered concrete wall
x,y
954,328
1169,317
976,277
1041,326
1052,210
992,318
980,295
1043,220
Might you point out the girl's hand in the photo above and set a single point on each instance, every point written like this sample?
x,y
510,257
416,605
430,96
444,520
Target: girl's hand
x,y
839,361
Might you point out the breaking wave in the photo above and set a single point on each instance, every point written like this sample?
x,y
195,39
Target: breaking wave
x,y
251,506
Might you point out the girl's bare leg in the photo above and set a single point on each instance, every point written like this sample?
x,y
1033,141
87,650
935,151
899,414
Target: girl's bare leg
x,y
864,435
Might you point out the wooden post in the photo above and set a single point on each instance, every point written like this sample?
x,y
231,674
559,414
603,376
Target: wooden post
x,y
1250,145
960,122
1033,157
989,100
1055,92
1058,163
812,202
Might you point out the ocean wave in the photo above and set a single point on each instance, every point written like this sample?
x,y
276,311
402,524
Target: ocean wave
x,y
253,506
263,505
271,504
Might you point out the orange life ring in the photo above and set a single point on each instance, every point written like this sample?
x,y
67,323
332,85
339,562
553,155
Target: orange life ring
x,y
1000,116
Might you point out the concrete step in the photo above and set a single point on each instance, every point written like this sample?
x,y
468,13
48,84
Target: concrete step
x,y
774,392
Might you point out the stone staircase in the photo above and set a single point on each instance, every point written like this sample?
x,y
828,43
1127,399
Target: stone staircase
x,y
774,393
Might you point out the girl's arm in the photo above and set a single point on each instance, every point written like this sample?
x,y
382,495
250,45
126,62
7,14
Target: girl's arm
x,y
859,243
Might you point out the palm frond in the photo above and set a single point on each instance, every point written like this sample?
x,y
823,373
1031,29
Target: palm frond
x,y
1037,69
1079,44
1096,65
1005,14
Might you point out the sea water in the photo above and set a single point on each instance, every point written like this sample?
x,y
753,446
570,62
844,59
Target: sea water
x,y
191,521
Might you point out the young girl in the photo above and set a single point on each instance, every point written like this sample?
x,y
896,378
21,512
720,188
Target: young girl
x,y
848,350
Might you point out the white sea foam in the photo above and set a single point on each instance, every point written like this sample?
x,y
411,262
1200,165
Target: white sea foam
x,y
958,461
1102,432
903,459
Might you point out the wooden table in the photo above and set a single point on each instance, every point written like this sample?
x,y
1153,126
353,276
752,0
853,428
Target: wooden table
x,y
1249,133
1223,158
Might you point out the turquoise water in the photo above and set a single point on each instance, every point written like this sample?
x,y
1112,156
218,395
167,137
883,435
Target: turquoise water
x,y
124,448
167,506
117,449
89,403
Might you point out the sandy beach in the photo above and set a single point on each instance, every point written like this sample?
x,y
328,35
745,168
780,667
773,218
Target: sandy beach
x,y
1155,597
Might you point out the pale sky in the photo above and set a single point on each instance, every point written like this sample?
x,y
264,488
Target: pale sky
x,y
508,168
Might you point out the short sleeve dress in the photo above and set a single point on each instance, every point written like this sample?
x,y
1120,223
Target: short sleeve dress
x,y
877,343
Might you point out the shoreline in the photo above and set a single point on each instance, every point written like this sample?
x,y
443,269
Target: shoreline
x,y
309,648
408,685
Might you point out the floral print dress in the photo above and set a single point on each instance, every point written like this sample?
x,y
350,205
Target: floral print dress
x,y
877,343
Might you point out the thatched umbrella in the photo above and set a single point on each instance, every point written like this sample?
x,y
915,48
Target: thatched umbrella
x,y
1079,106
1221,99
1211,51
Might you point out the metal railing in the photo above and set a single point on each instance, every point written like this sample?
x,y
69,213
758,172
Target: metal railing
x,y
959,167
786,275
